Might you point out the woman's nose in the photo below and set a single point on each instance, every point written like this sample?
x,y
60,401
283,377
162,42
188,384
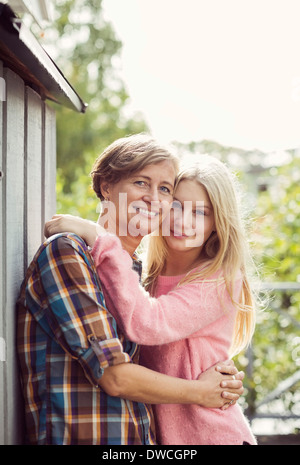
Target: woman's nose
x,y
152,195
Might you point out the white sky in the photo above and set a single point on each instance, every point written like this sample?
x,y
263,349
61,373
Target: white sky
x,y
226,70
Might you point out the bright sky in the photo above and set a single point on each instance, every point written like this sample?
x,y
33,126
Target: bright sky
x,y
226,70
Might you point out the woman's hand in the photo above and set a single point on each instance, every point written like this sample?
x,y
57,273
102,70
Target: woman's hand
x,y
86,229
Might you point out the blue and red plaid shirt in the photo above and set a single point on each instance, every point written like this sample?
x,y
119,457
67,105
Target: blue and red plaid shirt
x,y
66,338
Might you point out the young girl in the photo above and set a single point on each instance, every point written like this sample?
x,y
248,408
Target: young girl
x,y
199,307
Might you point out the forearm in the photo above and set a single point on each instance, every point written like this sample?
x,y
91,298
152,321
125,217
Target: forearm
x,y
137,383
213,388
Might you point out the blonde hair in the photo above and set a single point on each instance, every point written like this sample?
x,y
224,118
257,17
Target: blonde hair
x,y
226,249
127,156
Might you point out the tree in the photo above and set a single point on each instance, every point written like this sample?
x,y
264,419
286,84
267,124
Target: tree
x,y
86,50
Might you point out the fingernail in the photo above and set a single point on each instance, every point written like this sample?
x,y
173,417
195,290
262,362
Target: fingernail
x,y
223,384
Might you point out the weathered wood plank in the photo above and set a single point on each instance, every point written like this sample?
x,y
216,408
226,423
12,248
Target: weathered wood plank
x,y
2,335
49,164
33,171
27,199
14,243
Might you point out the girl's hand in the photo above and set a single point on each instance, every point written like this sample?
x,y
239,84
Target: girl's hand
x,y
234,385
86,229
225,389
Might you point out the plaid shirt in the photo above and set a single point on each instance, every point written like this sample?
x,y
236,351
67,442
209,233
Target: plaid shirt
x,y
66,338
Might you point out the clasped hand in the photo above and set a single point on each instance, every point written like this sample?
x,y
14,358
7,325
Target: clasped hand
x,y
223,385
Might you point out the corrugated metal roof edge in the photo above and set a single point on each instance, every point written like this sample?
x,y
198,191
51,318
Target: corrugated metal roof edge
x,y
20,49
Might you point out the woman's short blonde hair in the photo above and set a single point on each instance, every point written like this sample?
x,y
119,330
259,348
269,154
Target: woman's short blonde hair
x,y
127,156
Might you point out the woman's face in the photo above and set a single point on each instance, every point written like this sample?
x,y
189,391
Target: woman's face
x,y
138,204
191,217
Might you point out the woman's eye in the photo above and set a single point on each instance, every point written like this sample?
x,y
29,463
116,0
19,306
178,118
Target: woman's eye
x,y
140,183
165,189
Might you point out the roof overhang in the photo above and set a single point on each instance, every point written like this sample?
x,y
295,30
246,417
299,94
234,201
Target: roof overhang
x,y
40,10
20,51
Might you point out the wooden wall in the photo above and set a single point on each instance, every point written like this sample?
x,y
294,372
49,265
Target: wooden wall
x,y
27,199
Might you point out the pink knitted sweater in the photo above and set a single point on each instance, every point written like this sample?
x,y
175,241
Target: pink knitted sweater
x,y
189,329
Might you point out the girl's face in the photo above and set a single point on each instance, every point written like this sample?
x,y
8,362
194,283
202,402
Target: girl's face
x,y
138,204
191,217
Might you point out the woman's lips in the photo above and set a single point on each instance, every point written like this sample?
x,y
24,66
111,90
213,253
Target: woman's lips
x,y
146,213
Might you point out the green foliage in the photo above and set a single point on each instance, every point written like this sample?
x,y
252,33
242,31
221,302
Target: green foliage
x,y
276,343
278,225
88,53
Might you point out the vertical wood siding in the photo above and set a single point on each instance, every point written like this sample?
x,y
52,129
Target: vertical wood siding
x,y
27,199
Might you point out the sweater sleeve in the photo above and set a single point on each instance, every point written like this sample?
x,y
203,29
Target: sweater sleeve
x,y
147,320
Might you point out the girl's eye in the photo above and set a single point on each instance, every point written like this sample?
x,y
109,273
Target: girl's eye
x,y
199,212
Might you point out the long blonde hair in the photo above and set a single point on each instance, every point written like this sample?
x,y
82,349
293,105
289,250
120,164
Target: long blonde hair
x,y
226,249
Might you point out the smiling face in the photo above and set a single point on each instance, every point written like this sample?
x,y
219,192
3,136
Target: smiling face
x,y
141,201
191,217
